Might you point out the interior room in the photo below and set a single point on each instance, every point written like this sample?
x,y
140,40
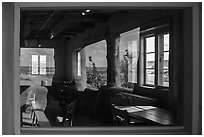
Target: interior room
x,y
115,67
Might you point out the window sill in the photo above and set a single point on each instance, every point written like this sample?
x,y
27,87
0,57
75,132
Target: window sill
x,y
163,88
149,87
175,130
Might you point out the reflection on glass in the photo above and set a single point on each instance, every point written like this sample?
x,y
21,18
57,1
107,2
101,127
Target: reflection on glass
x,y
129,54
150,76
34,64
166,61
150,60
165,77
150,44
37,66
43,64
96,64
166,42
79,64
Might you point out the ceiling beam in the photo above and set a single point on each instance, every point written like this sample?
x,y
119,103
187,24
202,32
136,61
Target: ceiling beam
x,y
44,24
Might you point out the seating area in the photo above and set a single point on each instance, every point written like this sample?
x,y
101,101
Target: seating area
x,y
96,107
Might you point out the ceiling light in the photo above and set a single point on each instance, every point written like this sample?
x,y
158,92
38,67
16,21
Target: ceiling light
x,y
51,35
83,13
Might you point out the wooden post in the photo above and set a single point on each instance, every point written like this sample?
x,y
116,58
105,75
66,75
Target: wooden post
x,y
113,59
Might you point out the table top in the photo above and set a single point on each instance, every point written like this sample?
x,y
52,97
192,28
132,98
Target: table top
x,y
155,114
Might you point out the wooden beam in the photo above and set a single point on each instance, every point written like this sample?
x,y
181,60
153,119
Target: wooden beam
x,y
53,13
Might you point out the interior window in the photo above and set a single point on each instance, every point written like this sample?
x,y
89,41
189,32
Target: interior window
x,y
37,66
155,58
96,64
129,53
163,78
150,60
79,63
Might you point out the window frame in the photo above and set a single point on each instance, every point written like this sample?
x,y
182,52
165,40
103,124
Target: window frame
x,y
193,67
159,51
145,61
156,32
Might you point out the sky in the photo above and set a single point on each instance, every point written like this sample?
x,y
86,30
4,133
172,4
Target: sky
x,y
98,52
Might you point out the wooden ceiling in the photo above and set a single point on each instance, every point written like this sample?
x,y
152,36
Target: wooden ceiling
x,y
60,24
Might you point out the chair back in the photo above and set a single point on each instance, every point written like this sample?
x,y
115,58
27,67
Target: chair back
x,y
122,117
69,116
113,115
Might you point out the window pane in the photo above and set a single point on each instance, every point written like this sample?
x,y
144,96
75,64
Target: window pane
x,y
43,64
150,76
166,60
150,60
166,78
79,64
129,53
96,64
37,66
34,64
150,44
166,42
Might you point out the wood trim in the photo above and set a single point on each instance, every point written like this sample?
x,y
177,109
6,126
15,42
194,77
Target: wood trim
x,y
196,21
167,130
151,130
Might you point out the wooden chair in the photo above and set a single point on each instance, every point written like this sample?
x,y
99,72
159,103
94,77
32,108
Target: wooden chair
x,y
122,118
68,116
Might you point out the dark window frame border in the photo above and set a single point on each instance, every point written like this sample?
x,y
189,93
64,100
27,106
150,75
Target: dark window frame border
x,y
190,126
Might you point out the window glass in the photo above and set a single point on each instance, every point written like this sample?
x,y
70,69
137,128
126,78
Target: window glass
x,y
129,53
96,64
166,42
34,64
79,63
37,66
150,60
43,64
150,76
150,44
166,61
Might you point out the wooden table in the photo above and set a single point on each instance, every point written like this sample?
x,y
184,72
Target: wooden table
x,y
151,113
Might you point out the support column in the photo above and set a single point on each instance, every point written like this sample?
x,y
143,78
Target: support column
x,y
113,60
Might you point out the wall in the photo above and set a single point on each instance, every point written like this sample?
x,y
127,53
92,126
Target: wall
x,y
60,55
